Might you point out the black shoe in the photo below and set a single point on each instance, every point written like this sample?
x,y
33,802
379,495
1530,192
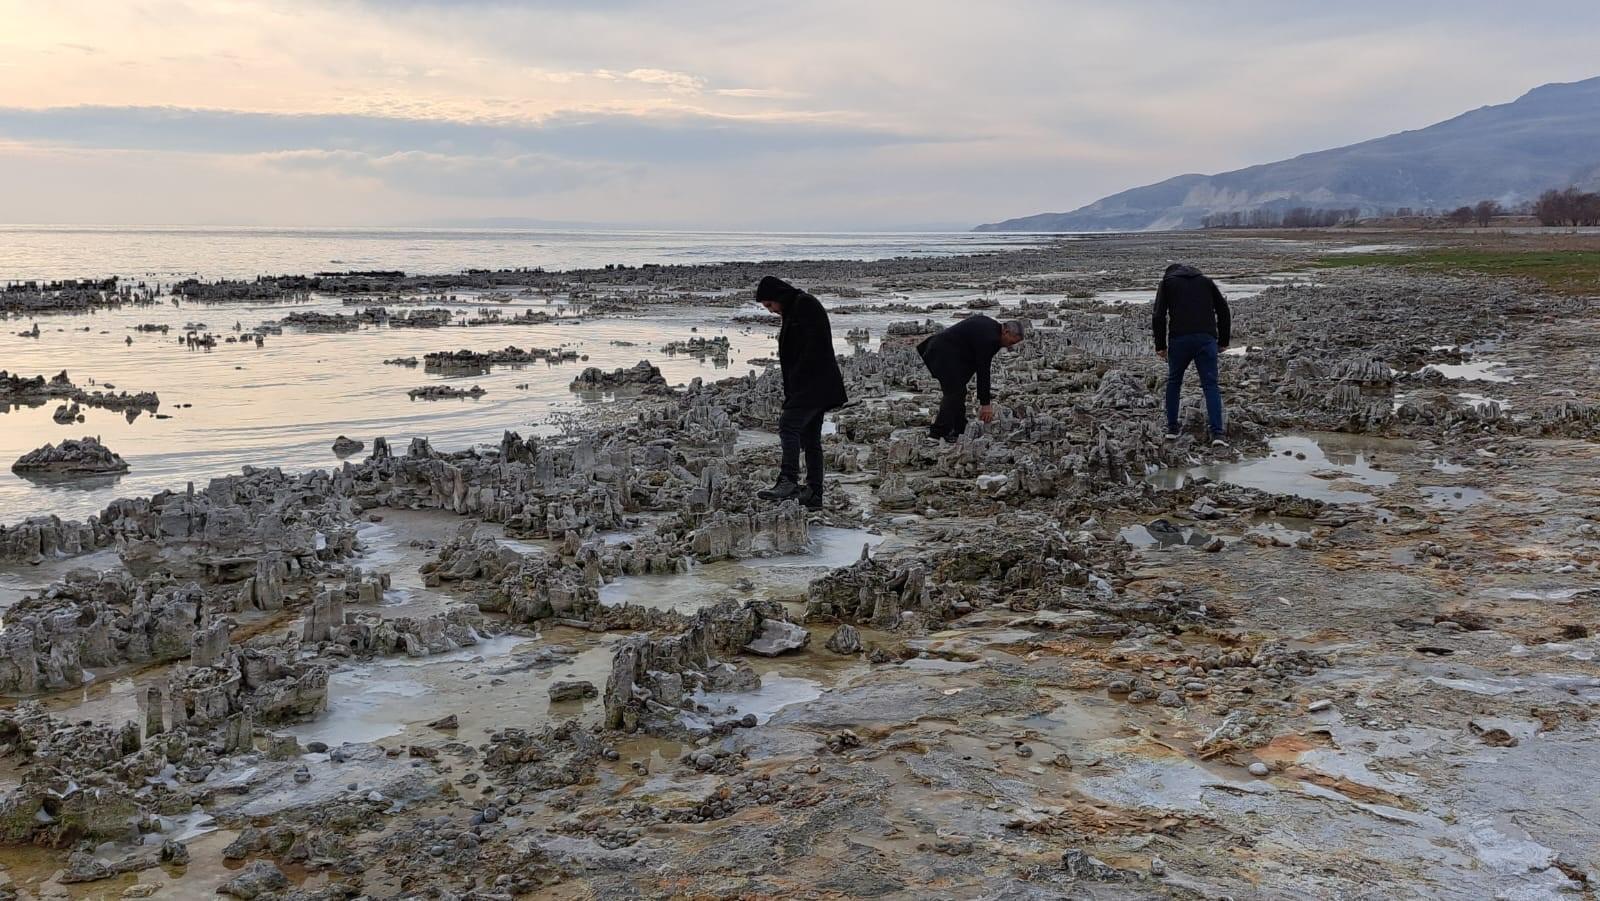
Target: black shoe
x,y
782,491
810,498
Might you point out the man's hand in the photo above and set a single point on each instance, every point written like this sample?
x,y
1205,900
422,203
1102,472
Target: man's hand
x,y
1162,354
986,413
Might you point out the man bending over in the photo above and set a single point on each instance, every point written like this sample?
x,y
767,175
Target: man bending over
x,y
954,356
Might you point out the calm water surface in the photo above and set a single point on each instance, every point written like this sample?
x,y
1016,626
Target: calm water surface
x,y
284,403
53,252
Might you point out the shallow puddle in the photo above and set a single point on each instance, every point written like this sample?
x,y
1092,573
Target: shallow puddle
x,y
1480,371
1280,535
776,692
1372,248
1162,533
1291,461
387,548
18,580
500,682
1557,595
707,584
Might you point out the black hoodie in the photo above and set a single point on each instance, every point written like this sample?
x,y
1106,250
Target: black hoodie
x,y
1189,303
811,377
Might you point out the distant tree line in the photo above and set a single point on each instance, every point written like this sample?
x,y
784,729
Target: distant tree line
x,y
1557,206
1295,217
1567,207
1481,212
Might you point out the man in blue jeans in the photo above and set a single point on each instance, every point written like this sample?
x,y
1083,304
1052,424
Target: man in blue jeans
x,y
1191,324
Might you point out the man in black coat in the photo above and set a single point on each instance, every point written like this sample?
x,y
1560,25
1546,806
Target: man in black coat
x,y
1191,323
812,385
954,355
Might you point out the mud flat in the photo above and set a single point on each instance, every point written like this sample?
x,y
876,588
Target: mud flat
x,y
1061,657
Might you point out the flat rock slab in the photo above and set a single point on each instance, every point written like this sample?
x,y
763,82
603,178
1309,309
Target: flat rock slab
x,y
779,637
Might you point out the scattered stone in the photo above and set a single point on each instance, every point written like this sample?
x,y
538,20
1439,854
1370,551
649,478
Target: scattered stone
x,y
258,879
85,456
641,375
845,640
778,637
445,392
572,691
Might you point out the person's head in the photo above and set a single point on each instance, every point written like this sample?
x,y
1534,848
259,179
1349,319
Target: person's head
x,y
1012,331
775,294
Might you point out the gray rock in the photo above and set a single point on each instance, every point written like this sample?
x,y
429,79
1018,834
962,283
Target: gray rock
x,y
259,878
573,691
845,640
779,637
84,456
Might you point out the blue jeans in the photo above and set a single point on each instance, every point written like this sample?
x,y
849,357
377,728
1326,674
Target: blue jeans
x,y
1201,350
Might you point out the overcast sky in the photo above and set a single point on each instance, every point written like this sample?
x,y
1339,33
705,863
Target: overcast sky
x,y
797,115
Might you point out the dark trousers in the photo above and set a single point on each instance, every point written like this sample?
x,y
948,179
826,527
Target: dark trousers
x,y
1201,350
951,420
798,430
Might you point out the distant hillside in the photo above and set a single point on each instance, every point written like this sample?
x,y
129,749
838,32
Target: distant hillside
x,y
1548,137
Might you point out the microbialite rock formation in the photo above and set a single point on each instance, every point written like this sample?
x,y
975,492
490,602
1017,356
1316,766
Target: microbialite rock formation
x,y
1075,659
73,456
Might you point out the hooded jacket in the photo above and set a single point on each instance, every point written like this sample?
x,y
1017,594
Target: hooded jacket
x,y
954,354
811,377
1189,303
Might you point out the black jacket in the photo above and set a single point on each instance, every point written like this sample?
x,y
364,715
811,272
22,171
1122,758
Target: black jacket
x,y
954,354
811,378
1188,303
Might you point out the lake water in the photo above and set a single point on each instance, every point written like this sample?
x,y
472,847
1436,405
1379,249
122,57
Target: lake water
x,y
284,403
54,252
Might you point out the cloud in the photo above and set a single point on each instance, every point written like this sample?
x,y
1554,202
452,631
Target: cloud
x,y
420,172
676,81
662,137
760,93
833,112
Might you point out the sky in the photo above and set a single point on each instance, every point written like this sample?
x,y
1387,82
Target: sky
x,y
814,115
